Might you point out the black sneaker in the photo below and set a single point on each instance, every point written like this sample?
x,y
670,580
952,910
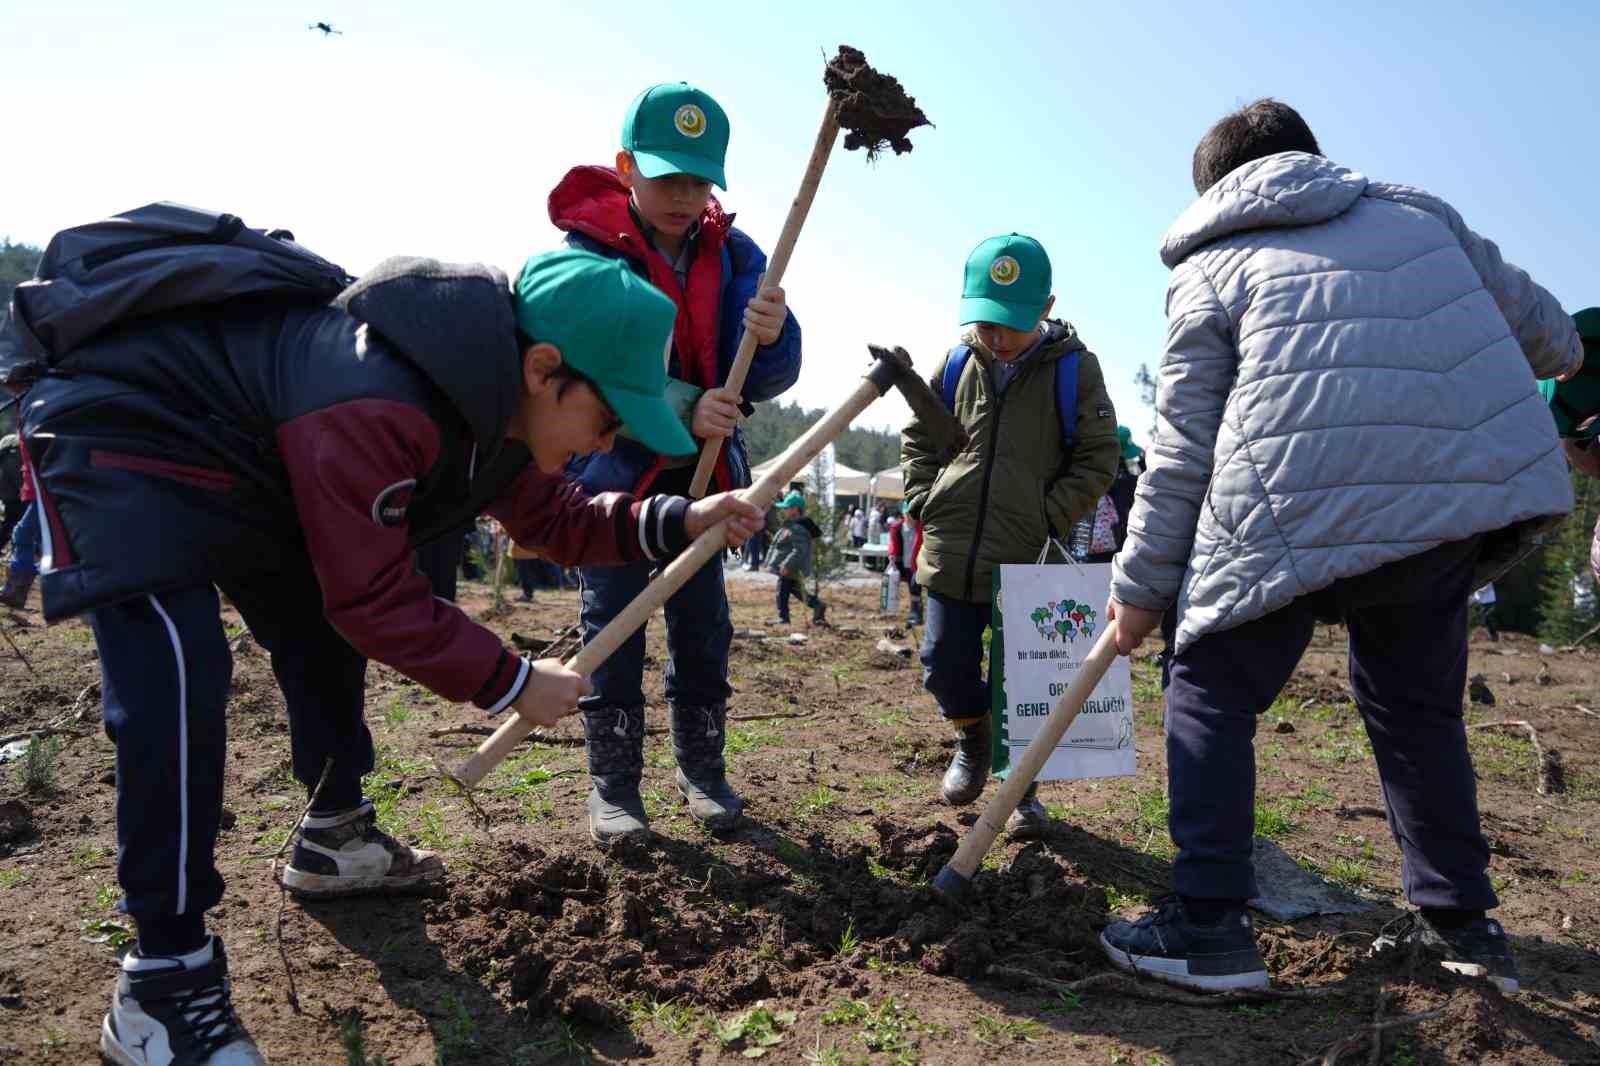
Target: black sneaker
x,y
1478,949
1170,946
172,1015
1030,821
346,854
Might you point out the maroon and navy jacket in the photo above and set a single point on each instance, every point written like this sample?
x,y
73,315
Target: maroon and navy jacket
x,y
592,205
229,443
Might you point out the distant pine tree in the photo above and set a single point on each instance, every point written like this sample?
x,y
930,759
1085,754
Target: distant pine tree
x,y
1566,586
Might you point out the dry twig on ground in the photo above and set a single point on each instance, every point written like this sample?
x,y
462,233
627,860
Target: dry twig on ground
x,y
1334,1051
1551,779
283,891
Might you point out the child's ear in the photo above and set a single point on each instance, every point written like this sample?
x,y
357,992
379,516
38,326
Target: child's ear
x,y
1048,304
626,168
539,361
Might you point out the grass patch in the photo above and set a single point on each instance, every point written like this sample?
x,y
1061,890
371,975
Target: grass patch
x,y
739,741
888,1028
1272,820
817,1055
353,1039
991,1030
12,878
669,1016
1351,873
398,712
816,801
657,800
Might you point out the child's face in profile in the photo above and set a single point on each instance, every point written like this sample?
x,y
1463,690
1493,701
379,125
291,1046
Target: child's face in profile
x,y
669,204
1006,343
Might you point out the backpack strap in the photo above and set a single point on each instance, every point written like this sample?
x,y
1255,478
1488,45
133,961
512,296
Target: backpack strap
x,y
1067,399
954,364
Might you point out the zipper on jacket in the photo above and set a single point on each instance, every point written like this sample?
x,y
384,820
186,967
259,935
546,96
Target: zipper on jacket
x,y
983,491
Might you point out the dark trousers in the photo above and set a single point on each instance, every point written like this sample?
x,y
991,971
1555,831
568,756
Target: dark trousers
x,y
952,655
910,580
165,672
528,574
1408,667
792,586
699,633
439,562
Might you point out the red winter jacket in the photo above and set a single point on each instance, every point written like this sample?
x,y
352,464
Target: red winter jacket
x,y
897,545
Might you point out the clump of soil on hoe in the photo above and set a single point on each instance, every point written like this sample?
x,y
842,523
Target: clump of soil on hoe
x,y
654,922
874,109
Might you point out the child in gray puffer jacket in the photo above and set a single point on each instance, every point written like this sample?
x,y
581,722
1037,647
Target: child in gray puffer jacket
x,y
1348,426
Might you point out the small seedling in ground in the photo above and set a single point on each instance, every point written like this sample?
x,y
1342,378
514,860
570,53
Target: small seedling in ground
x,y
456,1034
1352,873
106,931
992,1030
565,1044
849,942
38,769
793,855
397,712
758,1029
817,1055
353,1038
1066,1000
12,878
669,1015
106,896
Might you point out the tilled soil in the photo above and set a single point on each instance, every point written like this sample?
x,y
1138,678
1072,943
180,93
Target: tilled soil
x,y
809,934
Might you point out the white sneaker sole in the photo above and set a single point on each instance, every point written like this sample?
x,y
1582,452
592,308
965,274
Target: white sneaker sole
x,y
1176,971
113,1051
1477,969
330,886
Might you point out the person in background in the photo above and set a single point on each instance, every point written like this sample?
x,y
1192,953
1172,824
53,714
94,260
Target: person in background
x,y
790,557
905,540
25,544
1483,603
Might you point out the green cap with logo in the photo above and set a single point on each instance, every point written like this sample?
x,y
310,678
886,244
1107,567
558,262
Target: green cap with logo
x,y
611,326
1007,282
794,499
677,129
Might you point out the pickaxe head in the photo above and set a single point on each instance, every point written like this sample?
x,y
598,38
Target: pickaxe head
x,y
894,368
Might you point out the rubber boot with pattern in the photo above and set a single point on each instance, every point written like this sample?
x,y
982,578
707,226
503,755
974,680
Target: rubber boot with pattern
x,y
698,737
15,593
615,745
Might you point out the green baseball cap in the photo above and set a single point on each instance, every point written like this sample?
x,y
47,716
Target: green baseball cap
x,y
677,129
794,499
1574,402
1007,282
614,328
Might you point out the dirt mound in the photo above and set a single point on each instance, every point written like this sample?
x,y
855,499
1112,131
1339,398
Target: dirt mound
x,y
874,109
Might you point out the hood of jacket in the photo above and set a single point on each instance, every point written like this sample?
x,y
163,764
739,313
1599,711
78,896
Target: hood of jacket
x,y
1285,189
593,201
454,322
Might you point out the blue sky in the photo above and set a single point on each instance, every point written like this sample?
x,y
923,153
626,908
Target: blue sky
x,y
439,129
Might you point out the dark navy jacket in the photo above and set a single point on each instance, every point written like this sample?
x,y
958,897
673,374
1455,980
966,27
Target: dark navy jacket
x,y
591,205
220,443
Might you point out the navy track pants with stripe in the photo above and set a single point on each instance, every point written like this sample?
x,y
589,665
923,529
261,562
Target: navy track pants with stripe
x,y
165,675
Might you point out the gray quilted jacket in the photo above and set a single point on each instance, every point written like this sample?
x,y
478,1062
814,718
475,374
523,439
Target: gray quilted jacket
x,y
1348,381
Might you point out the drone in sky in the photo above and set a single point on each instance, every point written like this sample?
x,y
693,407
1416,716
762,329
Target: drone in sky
x,y
327,30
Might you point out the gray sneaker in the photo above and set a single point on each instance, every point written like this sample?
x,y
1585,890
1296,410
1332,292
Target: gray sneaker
x,y
346,854
1030,821
1478,949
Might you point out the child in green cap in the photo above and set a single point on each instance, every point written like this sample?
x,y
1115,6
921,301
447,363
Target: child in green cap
x,y
295,456
790,556
655,212
1019,482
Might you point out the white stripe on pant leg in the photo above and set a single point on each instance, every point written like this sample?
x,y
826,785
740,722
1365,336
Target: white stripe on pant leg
x,y
183,758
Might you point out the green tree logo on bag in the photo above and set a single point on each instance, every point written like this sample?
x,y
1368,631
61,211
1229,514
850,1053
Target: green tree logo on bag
x,y
1064,619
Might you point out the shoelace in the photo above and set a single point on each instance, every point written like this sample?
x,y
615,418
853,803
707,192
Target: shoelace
x,y
1163,905
208,1011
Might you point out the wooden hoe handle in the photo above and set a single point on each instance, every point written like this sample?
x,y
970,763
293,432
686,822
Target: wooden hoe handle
x,y
776,265
516,728
957,873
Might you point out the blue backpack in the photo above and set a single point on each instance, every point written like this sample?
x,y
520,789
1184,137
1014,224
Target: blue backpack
x,y
1066,389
